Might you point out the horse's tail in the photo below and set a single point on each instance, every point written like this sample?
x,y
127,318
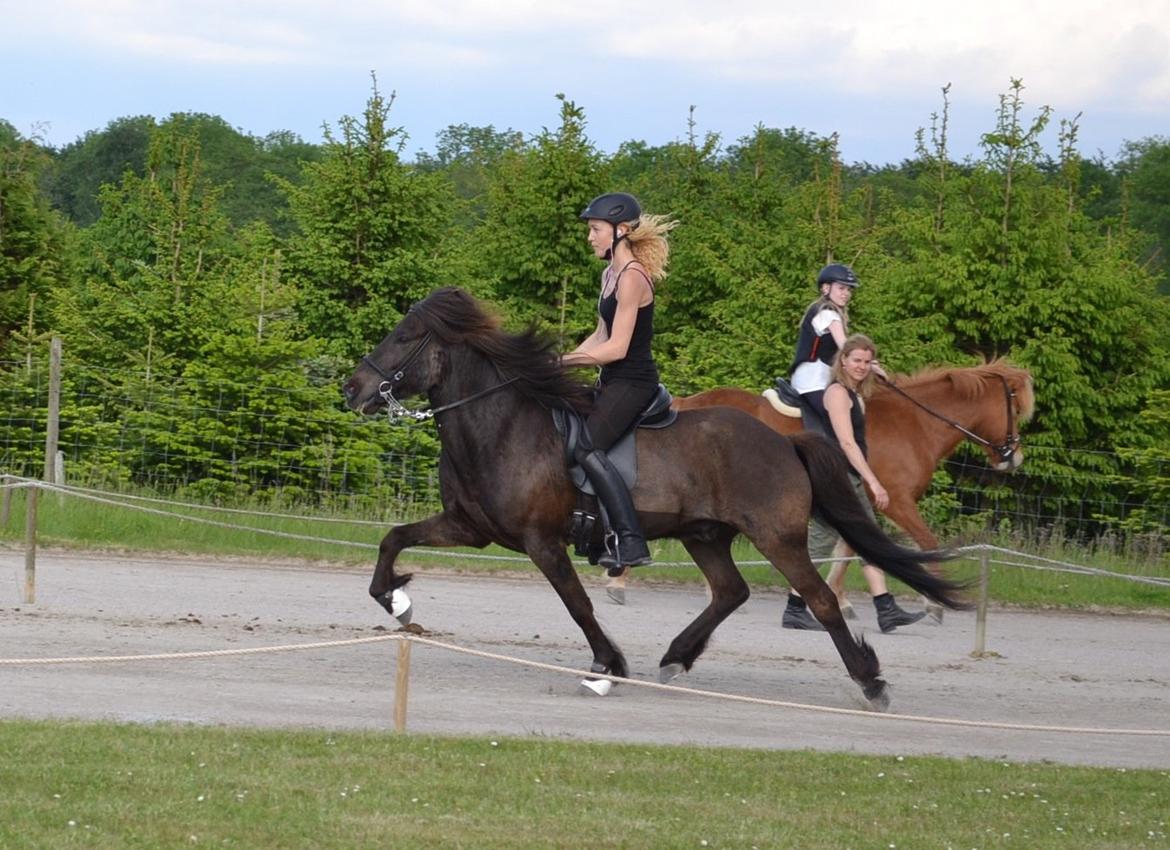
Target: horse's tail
x,y
835,501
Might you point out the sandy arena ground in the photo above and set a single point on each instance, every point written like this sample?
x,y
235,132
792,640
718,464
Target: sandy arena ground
x,y
1091,671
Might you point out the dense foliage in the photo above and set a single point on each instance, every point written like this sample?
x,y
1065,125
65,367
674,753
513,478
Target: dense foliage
x,y
213,289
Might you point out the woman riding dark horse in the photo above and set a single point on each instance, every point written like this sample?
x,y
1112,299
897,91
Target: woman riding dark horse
x,y
710,476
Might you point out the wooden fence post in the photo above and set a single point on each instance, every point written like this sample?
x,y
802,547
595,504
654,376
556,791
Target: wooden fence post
x,y
53,419
5,500
401,681
30,546
981,608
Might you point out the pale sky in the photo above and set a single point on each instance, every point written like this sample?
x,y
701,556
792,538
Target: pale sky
x,y
870,70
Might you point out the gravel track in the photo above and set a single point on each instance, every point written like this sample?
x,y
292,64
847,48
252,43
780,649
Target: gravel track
x,y
1099,670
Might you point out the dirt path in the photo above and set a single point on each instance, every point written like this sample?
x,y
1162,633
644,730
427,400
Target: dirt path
x,y
1051,669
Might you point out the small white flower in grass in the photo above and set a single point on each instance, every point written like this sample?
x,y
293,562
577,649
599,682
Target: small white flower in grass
x,y
481,764
72,823
414,799
537,780
200,798
56,796
901,758
495,743
880,775
703,843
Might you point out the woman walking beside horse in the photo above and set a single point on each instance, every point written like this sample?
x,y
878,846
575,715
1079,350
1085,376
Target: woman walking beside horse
x,y
844,403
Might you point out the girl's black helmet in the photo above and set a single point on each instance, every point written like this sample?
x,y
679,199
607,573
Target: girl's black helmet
x,y
614,207
837,273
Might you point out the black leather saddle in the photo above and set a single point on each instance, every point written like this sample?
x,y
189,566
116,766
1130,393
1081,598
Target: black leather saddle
x,y
622,454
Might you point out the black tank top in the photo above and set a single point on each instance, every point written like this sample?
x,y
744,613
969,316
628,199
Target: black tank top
x,y
857,419
638,366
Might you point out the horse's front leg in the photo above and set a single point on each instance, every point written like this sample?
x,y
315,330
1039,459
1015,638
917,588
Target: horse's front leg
x,y
549,554
444,529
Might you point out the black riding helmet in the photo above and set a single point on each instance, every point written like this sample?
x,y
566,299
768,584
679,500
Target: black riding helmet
x,y
616,208
837,273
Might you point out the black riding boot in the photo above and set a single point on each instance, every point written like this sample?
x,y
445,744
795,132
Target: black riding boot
x,y
890,616
632,550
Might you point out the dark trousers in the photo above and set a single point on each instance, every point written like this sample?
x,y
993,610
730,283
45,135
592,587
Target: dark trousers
x,y
618,405
813,415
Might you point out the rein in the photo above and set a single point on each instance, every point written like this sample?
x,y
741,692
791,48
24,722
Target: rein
x,y
397,410
1011,441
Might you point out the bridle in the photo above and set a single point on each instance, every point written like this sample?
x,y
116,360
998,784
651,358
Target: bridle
x,y
397,410
1004,450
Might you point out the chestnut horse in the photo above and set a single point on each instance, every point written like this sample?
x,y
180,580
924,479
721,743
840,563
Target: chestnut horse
x,y
709,477
913,424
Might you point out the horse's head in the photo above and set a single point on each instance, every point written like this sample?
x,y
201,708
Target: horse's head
x,y
1019,404
1005,401
406,363
987,404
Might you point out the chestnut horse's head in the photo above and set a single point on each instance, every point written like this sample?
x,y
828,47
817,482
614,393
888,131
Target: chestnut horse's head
x,y
987,404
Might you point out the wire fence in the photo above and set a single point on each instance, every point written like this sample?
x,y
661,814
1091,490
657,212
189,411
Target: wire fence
x,y
283,440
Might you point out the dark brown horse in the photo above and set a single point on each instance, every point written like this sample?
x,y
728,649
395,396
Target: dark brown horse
x,y
712,475
911,426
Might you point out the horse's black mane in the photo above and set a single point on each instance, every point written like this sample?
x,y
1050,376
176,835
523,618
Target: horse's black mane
x,y
530,357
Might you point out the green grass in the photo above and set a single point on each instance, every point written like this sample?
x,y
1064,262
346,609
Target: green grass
x,y
121,786
77,523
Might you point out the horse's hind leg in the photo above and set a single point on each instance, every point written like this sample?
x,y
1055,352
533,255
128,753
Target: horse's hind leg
x,y
789,555
727,590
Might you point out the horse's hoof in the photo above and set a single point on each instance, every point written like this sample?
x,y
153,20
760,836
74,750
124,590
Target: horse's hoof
x,y
616,594
847,611
670,672
596,687
935,612
401,607
876,698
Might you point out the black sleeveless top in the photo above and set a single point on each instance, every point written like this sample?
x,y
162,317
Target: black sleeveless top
x,y
638,366
857,419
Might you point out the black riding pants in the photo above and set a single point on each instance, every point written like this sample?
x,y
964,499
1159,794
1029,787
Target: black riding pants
x,y
618,405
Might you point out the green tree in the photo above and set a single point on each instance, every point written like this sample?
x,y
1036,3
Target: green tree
x,y
532,244
99,158
153,275
371,232
35,245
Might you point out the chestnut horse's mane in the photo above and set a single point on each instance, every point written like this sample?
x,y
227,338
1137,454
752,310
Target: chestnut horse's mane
x,y
976,381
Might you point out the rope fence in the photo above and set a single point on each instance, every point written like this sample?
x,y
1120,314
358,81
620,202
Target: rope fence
x,y
11,483
402,675
137,503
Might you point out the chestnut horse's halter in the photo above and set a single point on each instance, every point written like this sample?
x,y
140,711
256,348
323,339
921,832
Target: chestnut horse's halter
x,y
395,409
1004,450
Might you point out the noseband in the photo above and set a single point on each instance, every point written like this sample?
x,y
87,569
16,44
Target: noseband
x,y
385,390
1004,450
